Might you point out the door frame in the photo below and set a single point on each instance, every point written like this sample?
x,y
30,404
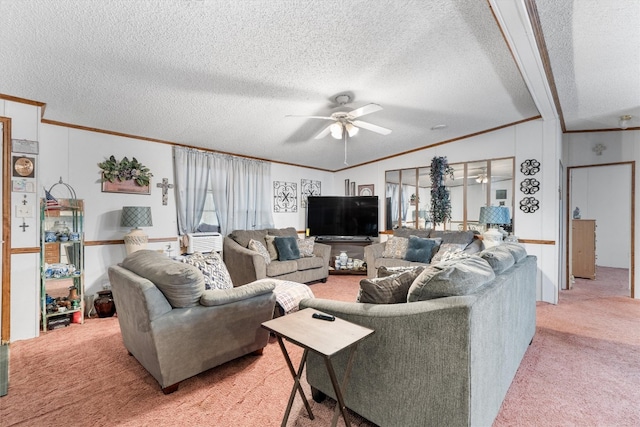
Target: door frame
x,y
632,261
5,330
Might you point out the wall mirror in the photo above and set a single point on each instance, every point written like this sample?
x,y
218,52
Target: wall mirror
x,y
474,185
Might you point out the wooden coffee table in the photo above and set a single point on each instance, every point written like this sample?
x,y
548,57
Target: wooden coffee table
x,y
321,337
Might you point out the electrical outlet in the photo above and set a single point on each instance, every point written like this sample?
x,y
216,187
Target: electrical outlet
x,y
24,211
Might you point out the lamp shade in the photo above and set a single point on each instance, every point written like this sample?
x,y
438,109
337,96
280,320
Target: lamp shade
x,y
136,216
494,215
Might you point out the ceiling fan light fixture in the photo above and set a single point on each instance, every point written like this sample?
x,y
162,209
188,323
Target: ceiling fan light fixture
x,y
336,130
351,129
624,121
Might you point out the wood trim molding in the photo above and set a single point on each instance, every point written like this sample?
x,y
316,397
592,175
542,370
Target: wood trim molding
x,y
5,331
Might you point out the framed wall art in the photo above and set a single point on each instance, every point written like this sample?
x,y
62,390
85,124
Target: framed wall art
x,y
309,187
285,196
365,190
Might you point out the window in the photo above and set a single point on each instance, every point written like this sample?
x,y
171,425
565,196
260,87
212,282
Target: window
x,y
209,220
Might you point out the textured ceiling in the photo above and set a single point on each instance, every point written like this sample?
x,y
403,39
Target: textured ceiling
x,y
224,75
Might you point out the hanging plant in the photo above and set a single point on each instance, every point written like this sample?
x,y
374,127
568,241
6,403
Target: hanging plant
x,y
440,198
125,170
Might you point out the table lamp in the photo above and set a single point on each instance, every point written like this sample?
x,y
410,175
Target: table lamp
x,y
136,217
495,215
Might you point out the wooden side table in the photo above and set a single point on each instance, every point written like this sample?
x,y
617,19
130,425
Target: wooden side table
x,y
324,338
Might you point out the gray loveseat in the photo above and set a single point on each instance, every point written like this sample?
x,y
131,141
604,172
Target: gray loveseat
x,y
246,265
440,362
174,327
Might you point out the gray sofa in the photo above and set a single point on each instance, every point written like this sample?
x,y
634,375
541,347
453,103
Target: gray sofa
x,y
246,265
440,362
374,253
177,329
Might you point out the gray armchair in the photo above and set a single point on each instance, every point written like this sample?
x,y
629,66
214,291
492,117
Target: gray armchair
x,y
183,330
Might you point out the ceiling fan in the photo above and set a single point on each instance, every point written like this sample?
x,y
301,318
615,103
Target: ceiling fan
x,y
346,123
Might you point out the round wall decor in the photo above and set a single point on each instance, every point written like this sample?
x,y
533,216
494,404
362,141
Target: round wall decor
x,y
530,186
530,167
529,204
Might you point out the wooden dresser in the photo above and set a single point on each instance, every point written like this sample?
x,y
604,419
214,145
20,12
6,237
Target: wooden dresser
x,y
583,248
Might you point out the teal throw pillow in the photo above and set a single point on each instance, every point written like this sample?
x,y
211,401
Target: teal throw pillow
x,y
419,249
287,248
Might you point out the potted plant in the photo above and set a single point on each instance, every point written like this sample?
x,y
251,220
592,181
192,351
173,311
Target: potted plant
x,y
125,170
440,198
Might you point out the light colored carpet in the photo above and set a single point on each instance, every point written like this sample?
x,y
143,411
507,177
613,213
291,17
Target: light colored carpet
x,y
583,368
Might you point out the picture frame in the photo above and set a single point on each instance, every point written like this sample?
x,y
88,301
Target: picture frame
x,y
366,190
501,194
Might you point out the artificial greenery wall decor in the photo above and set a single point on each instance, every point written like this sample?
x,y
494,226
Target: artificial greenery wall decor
x,y
125,170
440,198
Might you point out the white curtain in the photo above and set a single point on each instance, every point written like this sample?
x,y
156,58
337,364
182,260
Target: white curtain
x,y
241,189
192,172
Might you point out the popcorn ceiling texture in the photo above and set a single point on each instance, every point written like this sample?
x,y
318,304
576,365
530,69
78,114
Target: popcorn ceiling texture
x,y
224,74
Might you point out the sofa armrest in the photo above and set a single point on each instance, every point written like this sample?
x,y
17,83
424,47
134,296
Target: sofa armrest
x,y
214,297
371,253
322,250
244,265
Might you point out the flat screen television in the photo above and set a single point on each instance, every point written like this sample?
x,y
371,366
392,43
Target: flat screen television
x,y
342,216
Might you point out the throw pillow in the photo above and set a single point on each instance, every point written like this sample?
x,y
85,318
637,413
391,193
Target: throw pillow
x,y
419,249
388,290
216,275
306,247
181,284
384,271
517,250
287,248
395,247
256,246
457,277
500,259
271,247
448,251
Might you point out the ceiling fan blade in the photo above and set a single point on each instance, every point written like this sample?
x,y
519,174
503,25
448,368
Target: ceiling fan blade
x,y
324,132
367,109
312,117
371,127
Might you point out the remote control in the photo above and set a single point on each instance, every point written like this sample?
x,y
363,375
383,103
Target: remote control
x,y
323,317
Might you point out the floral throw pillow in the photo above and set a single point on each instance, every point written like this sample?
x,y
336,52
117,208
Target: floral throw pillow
x,y
256,246
395,247
306,247
216,275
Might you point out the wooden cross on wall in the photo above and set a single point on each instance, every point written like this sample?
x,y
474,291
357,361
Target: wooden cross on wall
x,y
165,189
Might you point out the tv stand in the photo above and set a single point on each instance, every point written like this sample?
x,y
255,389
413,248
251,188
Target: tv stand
x,y
352,245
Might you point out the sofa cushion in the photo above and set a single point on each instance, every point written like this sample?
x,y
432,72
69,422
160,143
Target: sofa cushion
x,y
459,237
242,237
278,268
390,289
215,297
306,246
308,263
406,232
517,250
216,275
270,244
452,278
395,247
182,284
256,246
420,249
287,248
500,259
289,231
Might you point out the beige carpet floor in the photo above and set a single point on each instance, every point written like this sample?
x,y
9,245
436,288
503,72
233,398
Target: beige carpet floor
x,y
583,369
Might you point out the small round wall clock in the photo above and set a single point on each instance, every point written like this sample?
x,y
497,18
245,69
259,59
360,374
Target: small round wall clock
x,y
23,166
